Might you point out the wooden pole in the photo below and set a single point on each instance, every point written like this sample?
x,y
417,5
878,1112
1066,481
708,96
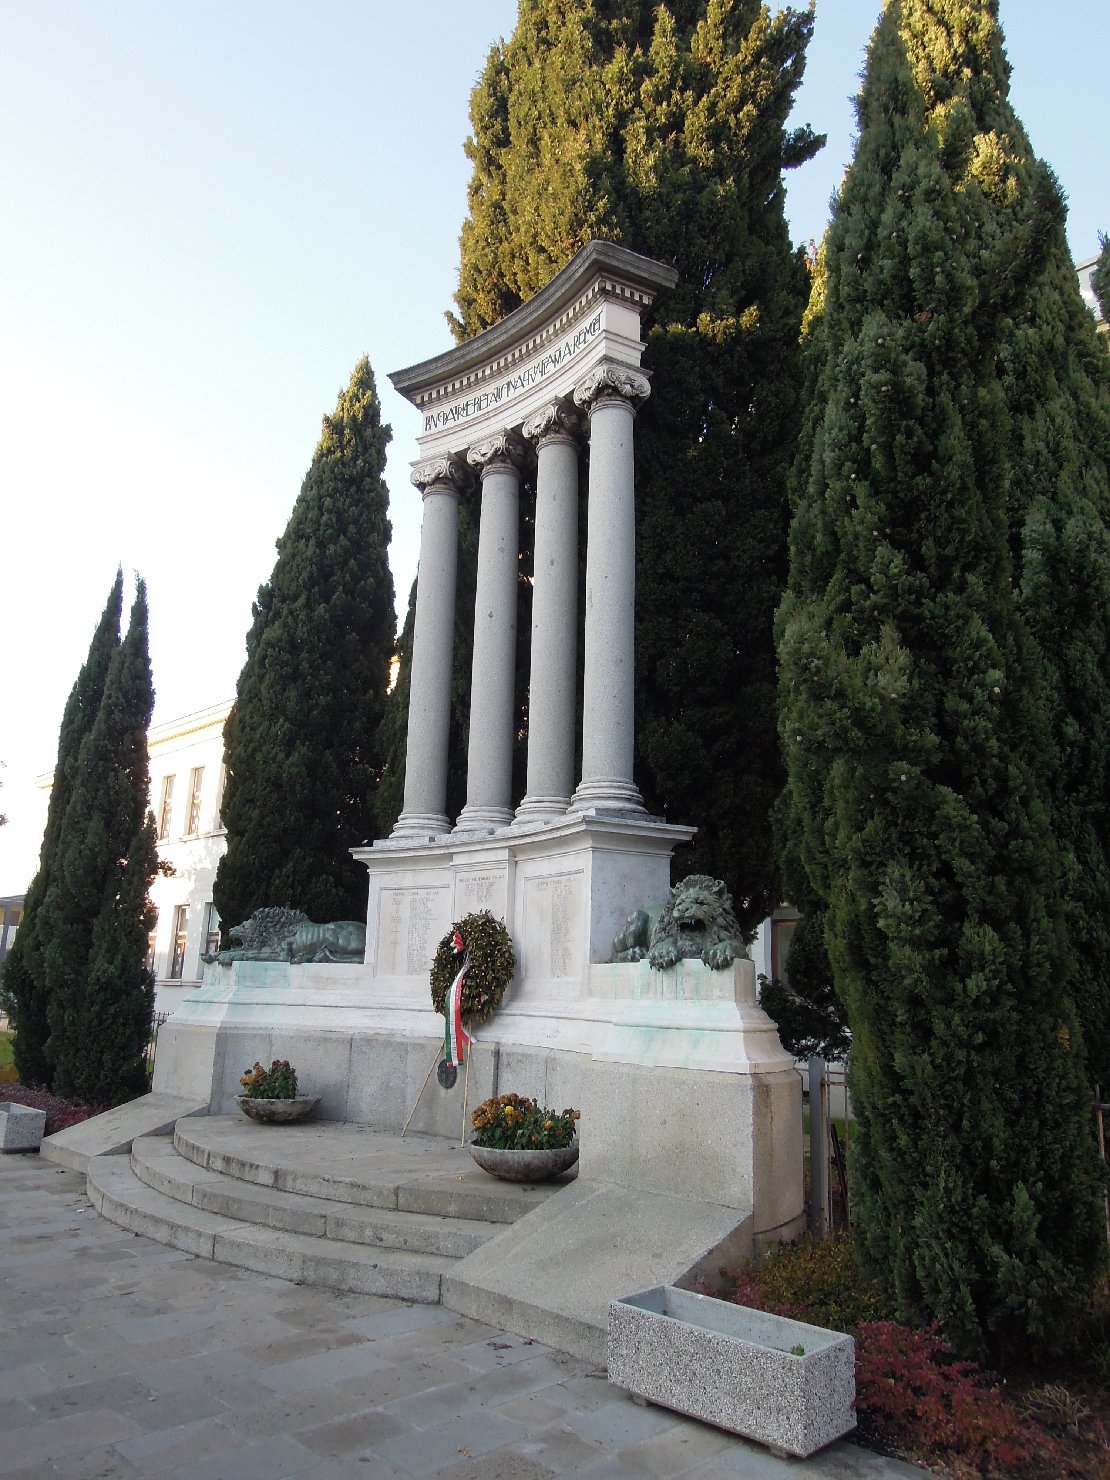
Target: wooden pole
x,y
466,1089
423,1087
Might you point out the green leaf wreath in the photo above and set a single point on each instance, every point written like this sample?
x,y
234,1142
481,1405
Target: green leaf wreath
x,y
492,963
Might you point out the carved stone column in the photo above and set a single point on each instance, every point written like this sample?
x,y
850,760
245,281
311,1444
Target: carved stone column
x,y
489,774
441,481
551,692
610,394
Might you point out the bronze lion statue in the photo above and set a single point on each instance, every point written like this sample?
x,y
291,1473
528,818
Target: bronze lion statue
x,y
697,923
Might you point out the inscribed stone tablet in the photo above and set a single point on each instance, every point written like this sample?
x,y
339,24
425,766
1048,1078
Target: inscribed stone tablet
x,y
553,925
480,890
410,924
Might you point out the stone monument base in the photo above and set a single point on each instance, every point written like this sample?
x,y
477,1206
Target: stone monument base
x,y
684,1088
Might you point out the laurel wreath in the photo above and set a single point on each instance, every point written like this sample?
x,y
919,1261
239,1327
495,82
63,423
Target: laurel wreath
x,y
492,963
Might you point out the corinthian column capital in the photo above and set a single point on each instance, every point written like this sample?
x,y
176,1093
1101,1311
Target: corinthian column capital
x,y
612,383
440,471
498,452
555,421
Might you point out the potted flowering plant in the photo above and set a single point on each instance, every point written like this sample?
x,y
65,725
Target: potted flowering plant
x,y
520,1141
270,1095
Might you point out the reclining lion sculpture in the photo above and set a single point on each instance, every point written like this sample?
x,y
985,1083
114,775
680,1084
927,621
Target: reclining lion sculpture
x,y
697,923
274,933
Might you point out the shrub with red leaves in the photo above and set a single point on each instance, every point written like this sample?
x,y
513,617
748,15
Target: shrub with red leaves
x,y
59,1113
913,1391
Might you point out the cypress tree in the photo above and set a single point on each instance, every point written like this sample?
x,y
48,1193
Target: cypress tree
x,y
97,911
301,742
1100,278
664,128
917,709
25,995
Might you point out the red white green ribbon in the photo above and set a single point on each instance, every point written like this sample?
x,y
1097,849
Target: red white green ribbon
x,y
456,1039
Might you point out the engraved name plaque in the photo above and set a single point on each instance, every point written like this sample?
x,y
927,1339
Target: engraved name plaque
x,y
553,925
482,889
410,924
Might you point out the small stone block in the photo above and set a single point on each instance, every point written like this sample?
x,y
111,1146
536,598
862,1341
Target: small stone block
x,y
785,1384
21,1128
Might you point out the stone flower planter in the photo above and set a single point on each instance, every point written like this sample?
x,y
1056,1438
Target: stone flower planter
x,y
21,1128
277,1112
525,1166
782,1383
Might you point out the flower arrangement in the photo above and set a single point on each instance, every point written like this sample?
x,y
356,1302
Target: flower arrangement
x,y
488,948
278,1082
512,1123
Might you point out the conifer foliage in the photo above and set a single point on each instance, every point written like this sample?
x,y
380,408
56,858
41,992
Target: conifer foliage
x,y
301,741
663,127
1100,278
917,710
97,915
25,992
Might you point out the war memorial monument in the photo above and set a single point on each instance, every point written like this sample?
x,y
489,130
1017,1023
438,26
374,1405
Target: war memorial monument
x,y
690,1129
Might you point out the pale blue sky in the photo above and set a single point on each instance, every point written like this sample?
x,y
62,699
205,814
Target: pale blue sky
x,y
211,209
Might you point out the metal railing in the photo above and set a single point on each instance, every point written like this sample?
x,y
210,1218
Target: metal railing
x,y
152,1042
830,1119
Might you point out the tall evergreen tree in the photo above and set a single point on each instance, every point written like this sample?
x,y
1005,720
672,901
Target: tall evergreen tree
x,y
663,127
917,708
25,995
301,741
1100,278
97,914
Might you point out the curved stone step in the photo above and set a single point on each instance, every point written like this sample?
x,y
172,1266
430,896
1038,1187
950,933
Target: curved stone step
x,y
347,1163
118,1194
157,1164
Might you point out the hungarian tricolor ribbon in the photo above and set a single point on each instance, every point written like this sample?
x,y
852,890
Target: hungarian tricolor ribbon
x,y
456,1039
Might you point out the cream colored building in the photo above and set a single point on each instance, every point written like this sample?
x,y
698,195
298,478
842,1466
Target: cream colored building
x,y
186,789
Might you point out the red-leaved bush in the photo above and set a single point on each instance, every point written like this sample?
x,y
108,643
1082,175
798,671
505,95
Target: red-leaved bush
x,y
59,1113
913,1391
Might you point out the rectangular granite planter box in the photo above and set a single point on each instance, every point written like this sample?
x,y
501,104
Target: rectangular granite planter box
x,y
734,1367
21,1127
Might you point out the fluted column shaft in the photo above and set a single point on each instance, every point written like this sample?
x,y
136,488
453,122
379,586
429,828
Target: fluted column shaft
x,y
489,774
425,810
611,395
551,692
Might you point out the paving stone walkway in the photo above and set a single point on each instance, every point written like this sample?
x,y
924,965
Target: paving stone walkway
x,y
119,1357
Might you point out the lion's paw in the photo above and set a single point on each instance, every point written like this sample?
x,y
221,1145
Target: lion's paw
x,y
720,955
663,956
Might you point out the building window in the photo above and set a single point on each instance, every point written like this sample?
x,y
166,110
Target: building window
x,y
180,928
211,930
151,951
781,931
221,781
165,809
196,781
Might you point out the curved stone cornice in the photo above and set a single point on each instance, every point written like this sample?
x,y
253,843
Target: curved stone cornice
x,y
555,422
612,383
498,452
440,471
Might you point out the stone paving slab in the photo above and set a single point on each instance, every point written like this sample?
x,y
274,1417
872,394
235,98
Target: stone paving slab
x,y
121,1358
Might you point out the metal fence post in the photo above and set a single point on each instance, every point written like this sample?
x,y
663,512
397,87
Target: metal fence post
x,y
818,1148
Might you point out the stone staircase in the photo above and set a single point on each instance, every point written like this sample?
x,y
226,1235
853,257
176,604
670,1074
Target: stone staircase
x,y
326,1203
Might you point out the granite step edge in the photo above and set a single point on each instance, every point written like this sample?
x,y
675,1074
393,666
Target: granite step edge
x,y
118,1195
574,1334
443,1194
158,1165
